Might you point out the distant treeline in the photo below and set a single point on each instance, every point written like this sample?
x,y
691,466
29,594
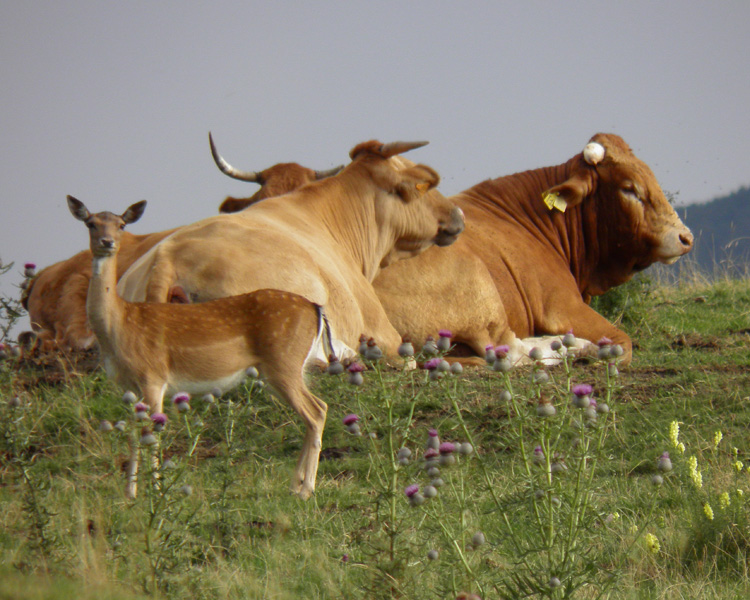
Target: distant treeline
x,y
722,233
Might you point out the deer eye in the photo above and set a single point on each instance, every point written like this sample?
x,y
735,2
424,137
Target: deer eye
x,y
89,224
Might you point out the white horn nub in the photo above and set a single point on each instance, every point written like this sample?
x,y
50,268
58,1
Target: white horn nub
x,y
593,153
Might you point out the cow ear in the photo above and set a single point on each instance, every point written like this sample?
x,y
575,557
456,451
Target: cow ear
x,y
568,194
416,181
134,212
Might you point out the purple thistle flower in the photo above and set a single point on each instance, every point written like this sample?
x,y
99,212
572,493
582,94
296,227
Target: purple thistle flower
x,y
447,448
29,265
432,432
432,364
502,351
159,420
355,367
141,407
431,453
582,389
181,397
604,341
410,490
349,419
444,340
489,353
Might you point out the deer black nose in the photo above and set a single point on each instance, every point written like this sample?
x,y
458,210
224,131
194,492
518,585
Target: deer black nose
x,y
107,243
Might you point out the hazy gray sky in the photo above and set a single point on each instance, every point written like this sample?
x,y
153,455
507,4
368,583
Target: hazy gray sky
x,y
112,102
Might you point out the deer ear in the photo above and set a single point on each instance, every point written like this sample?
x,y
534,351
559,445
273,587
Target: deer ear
x,y
78,209
134,212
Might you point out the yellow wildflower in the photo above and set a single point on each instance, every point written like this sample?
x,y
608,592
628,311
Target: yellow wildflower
x,y
738,466
724,500
697,479
674,433
681,448
692,463
652,543
718,436
740,493
709,511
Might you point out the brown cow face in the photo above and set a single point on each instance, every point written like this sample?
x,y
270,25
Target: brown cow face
x,y
635,224
635,201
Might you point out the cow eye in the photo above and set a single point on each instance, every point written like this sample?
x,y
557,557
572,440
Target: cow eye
x,y
629,191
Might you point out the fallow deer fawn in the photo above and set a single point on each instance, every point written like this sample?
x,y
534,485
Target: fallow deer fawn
x,y
155,348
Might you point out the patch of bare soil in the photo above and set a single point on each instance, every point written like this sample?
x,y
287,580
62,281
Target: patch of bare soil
x,y
696,340
53,368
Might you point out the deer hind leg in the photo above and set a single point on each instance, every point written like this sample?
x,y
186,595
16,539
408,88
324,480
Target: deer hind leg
x,y
292,388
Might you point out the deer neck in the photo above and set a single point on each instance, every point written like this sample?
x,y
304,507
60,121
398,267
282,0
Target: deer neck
x,y
104,308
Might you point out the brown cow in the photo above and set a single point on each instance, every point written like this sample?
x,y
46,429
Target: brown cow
x,y
56,298
274,181
326,242
525,268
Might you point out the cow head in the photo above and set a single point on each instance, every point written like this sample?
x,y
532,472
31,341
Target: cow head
x,y
274,181
408,204
624,211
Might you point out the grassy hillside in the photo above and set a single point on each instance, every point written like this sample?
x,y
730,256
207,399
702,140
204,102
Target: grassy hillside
x,y
722,233
588,514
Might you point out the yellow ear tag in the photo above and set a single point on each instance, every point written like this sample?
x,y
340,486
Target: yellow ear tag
x,y
553,200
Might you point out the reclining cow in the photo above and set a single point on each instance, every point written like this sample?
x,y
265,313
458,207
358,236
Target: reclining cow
x,y
537,246
326,242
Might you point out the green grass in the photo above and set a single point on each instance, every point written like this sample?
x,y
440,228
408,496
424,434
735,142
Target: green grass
x,y
66,529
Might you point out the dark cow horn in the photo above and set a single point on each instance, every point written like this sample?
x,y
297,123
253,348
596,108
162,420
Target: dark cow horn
x,y
328,173
228,169
394,148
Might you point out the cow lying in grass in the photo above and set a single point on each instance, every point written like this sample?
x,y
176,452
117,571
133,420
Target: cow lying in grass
x,y
326,242
537,246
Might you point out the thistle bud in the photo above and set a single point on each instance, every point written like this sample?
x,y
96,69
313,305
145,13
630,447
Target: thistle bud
x,y
406,349
430,347
569,340
536,354
334,365
372,352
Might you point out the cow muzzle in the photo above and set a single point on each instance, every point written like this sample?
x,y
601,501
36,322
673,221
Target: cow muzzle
x,y
676,243
449,231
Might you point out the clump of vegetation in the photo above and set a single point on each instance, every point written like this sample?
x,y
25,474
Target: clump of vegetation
x,y
550,481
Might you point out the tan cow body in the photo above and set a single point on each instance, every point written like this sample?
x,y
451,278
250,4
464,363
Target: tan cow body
x,y
522,269
56,298
326,242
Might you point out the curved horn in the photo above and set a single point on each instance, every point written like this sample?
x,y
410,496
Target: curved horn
x,y
593,153
328,173
228,169
394,148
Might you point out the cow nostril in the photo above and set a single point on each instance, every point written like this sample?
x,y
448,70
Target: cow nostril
x,y
686,239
